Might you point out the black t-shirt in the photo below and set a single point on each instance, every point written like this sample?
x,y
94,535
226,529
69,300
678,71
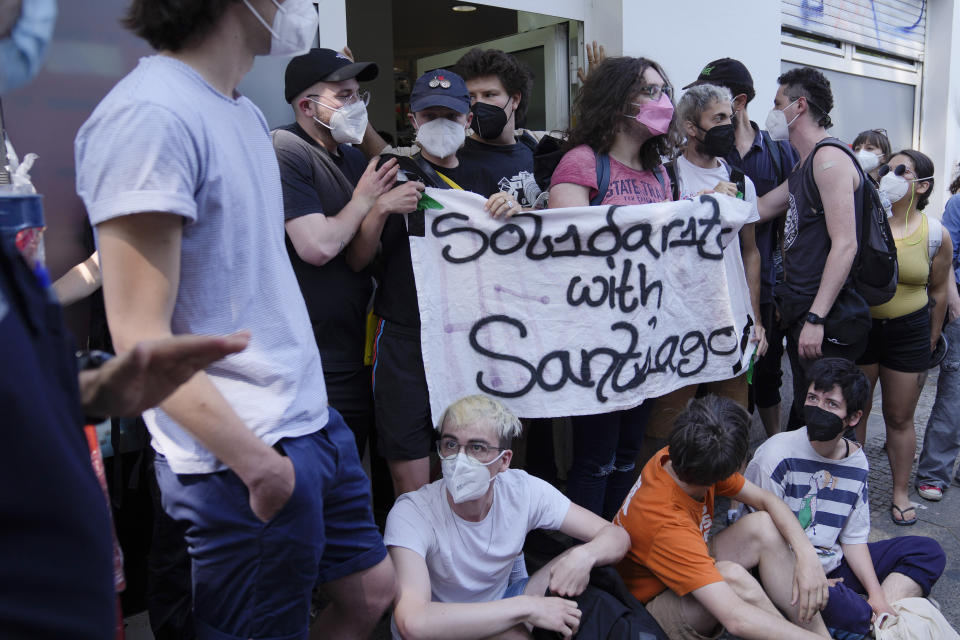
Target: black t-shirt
x,y
56,554
396,298
501,167
806,241
336,295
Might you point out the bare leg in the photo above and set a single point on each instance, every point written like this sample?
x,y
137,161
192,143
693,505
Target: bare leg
x,y
409,475
357,602
872,371
770,417
746,586
754,541
897,586
900,394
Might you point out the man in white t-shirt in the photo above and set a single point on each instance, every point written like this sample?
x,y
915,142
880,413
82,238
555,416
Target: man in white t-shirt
x,y
823,479
180,178
704,116
455,543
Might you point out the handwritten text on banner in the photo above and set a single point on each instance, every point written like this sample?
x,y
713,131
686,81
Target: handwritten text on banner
x,y
579,311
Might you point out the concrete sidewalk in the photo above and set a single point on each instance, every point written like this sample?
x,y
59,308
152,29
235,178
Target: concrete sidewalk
x,y
939,520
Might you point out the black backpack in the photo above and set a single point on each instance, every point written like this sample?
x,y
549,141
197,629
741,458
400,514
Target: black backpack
x,y
874,272
609,609
547,155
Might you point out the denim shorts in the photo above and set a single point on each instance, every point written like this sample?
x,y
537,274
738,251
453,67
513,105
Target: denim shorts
x,y
253,578
901,344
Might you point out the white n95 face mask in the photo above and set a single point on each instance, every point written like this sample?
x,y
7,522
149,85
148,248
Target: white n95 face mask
x,y
348,123
894,186
295,25
777,125
441,137
868,160
465,478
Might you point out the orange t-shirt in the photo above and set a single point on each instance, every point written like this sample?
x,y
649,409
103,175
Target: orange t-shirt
x,y
668,533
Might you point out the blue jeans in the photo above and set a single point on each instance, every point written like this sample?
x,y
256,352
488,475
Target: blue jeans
x,y
941,444
605,450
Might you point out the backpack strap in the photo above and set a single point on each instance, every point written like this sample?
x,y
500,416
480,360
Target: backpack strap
x,y
527,139
437,179
603,178
934,237
737,177
775,156
669,169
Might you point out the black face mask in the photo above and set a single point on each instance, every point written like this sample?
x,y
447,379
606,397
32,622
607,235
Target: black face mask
x,y
718,140
822,425
488,120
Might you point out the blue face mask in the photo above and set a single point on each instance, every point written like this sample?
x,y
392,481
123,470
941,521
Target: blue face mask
x,y
22,52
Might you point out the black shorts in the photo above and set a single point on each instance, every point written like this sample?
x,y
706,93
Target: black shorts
x,y
901,344
401,402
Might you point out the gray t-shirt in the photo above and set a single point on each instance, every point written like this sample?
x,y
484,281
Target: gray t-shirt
x,y
164,140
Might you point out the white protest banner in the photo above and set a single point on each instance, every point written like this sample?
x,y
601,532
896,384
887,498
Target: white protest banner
x,y
578,311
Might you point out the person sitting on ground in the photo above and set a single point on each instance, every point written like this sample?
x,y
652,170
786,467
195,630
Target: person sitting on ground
x,y
822,476
455,542
688,584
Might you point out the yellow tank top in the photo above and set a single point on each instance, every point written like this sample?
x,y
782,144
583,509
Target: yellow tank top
x,y
913,260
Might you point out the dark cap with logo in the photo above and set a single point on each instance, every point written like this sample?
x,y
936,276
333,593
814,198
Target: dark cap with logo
x,y
726,72
323,65
440,88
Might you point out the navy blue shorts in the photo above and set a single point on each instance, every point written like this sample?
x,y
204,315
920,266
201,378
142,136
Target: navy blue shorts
x,y
919,558
255,579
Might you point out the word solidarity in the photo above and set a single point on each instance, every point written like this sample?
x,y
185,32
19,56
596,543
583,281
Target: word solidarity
x,y
579,311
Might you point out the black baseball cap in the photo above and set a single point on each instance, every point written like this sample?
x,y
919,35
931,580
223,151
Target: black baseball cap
x,y
440,88
726,72
323,65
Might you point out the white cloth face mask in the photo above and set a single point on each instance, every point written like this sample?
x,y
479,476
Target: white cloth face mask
x,y
776,123
465,478
348,123
295,25
441,137
868,160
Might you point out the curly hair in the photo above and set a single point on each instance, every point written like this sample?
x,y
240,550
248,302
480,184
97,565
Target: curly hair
x,y
605,98
709,441
814,86
876,138
923,169
170,25
955,185
513,74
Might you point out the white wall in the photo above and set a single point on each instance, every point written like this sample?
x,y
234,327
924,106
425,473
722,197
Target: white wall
x,y
940,107
684,35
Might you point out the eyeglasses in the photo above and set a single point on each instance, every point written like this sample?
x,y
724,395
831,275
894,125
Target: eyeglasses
x,y
654,92
882,132
360,96
482,452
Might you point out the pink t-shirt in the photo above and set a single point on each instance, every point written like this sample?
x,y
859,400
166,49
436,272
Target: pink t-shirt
x,y
627,186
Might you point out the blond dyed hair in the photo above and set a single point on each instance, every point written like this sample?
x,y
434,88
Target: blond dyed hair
x,y
480,407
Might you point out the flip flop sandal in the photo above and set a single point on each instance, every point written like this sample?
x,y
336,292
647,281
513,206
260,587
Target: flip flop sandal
x,y
903,520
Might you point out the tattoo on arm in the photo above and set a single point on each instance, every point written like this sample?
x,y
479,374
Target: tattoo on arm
x,y
827,165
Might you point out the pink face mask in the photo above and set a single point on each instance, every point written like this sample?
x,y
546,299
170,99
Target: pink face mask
x,y
656,115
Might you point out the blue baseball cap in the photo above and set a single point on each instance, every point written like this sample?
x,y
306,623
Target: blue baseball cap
x,y
440,88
